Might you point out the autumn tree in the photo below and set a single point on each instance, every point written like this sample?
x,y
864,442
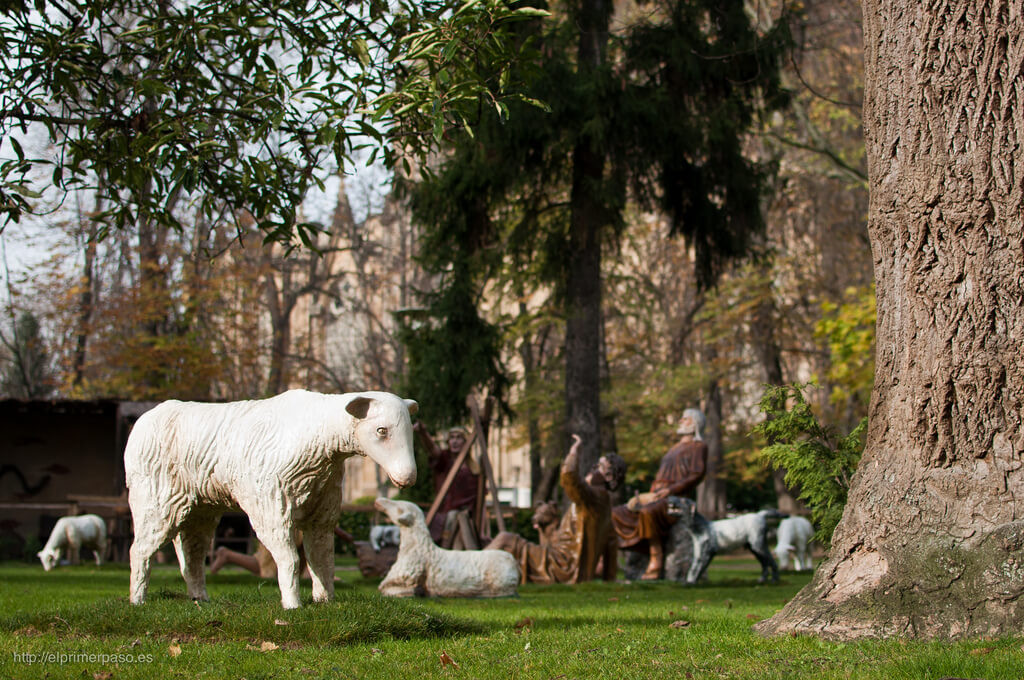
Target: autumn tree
x,y
932,539
25,371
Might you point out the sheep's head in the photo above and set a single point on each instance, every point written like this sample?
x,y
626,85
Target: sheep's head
x,y
48,558
402,513
382,430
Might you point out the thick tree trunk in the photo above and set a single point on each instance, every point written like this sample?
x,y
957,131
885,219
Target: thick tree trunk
x,y
711,493
583,283
932,541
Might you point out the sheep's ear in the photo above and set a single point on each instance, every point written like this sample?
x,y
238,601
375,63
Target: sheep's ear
x,y
413,406
359,407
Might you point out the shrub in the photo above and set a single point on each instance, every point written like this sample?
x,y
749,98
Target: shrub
x,y
818,462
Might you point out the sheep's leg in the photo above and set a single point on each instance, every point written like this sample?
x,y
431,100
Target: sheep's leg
x,y
100,550
319,544
769,570
152,529
398,582
701,559
191,545
278,538
74,551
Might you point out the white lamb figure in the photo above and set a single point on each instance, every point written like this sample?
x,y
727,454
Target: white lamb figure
x,y
384,535
424,569
795,533
280,460
750,530
74,533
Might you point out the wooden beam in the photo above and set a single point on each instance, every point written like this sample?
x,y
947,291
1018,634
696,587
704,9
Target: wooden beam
x,y
485,463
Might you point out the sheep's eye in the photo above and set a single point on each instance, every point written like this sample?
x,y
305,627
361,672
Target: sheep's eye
x,y
382,432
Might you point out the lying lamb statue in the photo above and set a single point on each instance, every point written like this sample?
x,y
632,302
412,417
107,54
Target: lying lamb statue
x,y
795,533
425,569
280,460
74,533
384,535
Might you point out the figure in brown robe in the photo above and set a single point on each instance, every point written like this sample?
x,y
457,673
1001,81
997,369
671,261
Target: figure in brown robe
x,y
462,493
643,523
584,537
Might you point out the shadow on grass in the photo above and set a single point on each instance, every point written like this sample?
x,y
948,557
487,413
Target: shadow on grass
x,y
350,618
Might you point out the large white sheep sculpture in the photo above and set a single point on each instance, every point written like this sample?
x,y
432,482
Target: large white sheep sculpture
x,y
73,534
424,569
280,460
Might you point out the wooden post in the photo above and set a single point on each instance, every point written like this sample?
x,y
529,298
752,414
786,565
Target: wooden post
x,y
485,463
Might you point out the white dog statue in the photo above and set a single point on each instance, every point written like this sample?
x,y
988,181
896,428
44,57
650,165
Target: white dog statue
x,y
425,569
74,533
280,460
383,535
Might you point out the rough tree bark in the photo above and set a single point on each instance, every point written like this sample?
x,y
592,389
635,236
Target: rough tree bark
x,y
583,282
932,541
711,493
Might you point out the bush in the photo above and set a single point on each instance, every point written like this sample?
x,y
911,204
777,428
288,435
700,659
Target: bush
x,y
818,462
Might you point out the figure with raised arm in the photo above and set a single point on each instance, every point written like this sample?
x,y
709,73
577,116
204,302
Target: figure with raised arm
x,y
584,538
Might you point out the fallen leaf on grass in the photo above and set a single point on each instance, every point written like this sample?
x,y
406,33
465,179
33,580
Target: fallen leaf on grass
x,y
524,625
754,617
447,660
174,650
679,624
613,599
981,651
265,646
374,651
102,675
279,622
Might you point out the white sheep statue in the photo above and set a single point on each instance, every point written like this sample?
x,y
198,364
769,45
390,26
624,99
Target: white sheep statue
x,y
424,569
279,460
74,533
795,533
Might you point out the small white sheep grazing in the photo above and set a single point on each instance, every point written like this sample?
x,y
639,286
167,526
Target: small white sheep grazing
x,y
750,530
74,533
280,460
384,535
425,569
795,533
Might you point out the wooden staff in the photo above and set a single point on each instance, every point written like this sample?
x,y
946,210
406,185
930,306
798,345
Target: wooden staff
x,y
485,463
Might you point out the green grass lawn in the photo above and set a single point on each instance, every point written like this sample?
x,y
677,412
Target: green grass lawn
x,y
595,630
